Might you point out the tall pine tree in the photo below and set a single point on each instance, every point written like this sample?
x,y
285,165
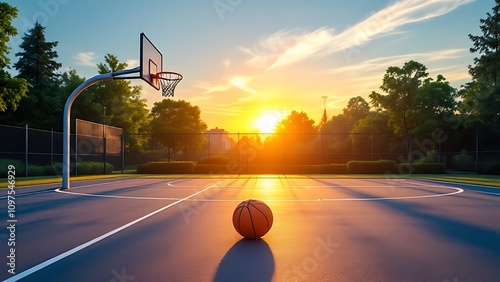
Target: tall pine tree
x,y
37,64
481,97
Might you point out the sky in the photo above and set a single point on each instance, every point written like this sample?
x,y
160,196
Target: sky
x,y
248,63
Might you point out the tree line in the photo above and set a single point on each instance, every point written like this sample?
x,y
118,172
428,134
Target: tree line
x,y
410,104
37,94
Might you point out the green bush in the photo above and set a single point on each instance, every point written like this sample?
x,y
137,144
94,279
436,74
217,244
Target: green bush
x,y
489,167
432,157
90,168
427,168
464,161
36,170
303,169
368,167
4,167
212,168
143,169
166,168
215,160
55,169
335,168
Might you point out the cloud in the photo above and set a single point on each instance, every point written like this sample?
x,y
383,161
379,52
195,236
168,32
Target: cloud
x,y
240,82
86,59
364,77
212,88
132,63
287,47
383,62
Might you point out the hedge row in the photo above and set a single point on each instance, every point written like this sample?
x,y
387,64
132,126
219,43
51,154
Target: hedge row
x,y
89,168
353,167
489,167
84,168
405,168
371,167
166,168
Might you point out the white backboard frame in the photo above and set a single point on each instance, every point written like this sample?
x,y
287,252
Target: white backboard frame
x,y
151,61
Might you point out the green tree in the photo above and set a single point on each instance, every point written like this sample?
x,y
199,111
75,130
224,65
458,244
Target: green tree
x,y
324,119
119,104
297,129
296,122
85,107
335,138
37,62
177,125
482,96
413,101
42,107
435,100
357,109
12,90
401,86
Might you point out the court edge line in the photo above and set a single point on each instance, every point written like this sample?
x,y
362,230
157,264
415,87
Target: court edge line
x,y
467,184
28,194
481,192
100,238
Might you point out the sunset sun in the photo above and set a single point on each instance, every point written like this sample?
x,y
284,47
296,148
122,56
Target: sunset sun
x,y
268,121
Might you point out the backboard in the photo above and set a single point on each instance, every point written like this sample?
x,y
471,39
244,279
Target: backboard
x,y
151,62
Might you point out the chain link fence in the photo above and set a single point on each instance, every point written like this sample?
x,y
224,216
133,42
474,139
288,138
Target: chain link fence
x,y
37,152
466,150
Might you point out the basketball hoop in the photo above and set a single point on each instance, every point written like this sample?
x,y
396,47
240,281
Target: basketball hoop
x,y
168,81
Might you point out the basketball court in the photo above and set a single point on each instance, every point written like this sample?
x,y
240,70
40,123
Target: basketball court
x,y
181,229
325,229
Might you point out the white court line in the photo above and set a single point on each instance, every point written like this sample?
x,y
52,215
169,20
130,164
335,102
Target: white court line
x,y
102,237
457,191
466,184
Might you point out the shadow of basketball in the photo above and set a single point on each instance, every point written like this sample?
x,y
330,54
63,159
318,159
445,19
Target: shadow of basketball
x,y
247,260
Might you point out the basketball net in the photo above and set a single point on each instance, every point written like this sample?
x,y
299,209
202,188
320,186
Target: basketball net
x,y
168,82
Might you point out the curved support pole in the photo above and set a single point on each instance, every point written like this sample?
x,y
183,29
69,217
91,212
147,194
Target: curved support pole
x,y
67,115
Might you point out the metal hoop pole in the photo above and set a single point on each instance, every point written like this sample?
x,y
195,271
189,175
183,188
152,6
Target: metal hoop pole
x,y
67,115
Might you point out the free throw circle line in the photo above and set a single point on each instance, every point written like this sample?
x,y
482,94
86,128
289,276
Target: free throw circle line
x,y
457,191
100,238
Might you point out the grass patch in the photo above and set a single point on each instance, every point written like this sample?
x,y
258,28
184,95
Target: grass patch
x,y
487,180
38,180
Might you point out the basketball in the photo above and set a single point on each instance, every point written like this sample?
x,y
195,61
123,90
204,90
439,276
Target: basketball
x,y
252,218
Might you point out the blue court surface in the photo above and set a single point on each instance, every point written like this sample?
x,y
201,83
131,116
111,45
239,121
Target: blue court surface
x,y
158,229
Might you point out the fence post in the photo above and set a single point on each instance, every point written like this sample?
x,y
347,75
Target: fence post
x,y
322,155
76,147
238,151
123,151
154,147
373,153
26,149
284,172
104,147
52,147
477,149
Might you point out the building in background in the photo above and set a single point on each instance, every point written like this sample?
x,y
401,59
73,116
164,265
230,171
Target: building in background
x,y
219,141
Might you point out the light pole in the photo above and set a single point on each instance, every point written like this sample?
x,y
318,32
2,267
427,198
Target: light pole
x,y
324,102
